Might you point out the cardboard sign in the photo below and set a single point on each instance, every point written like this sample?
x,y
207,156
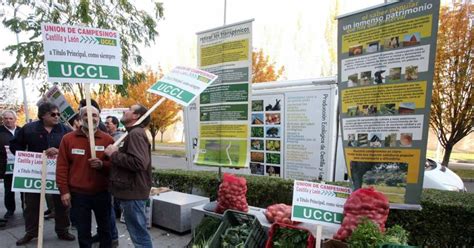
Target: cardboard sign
x,y
82,54
318,203
27,173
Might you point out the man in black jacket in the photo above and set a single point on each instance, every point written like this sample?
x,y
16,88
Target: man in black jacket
x,y
7,131
38,136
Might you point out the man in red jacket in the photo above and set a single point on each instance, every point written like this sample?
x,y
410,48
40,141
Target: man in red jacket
x,y
83,181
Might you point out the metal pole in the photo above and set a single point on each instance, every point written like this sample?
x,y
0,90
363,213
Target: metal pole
x,y
25,101
225,11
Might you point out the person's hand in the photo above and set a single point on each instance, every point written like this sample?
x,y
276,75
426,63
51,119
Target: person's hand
x,y
95,163
110,150
66,199
52,151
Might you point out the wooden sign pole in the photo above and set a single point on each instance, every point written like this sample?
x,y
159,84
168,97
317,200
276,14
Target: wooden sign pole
x,y
90,124
319,233
141,119
44,172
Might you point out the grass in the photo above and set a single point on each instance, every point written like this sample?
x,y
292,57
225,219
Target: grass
x,y
172,144
170,153
464,173
455,156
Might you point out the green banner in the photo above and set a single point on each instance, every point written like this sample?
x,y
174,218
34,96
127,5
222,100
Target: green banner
x,y
63,69
317,214
173,91
33,183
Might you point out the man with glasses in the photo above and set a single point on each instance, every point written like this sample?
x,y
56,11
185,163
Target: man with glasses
x,y
44,134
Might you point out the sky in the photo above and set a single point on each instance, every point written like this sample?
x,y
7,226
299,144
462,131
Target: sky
x,y
290,32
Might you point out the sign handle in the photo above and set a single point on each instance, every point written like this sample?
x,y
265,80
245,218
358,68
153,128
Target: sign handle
x,y
141,119
89,120
319,232
42,200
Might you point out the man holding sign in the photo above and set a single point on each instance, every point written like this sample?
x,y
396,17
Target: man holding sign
x,y
38,136
130,175
7,131
83,180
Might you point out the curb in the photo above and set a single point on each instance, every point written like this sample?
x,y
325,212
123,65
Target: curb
x,y
467,180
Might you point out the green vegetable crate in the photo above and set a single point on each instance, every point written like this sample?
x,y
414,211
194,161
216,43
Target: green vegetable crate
x,y
232,218
309,242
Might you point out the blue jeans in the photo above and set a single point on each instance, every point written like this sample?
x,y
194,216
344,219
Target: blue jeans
x,y
113,225
134,214
82,207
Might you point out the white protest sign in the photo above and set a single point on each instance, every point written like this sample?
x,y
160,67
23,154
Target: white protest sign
x,y
82,54
10,161
55,96
317,203
27,173
183,84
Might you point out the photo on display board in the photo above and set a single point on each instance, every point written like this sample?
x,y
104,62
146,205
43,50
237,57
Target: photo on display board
x,y
273,158
388,109
355,50
272,132
256,132
391,43
411,39
395,74
256,144
363,139
390,140
273,145
406,108
352,142
376,140
411,73
257,157
257,105
406,139
273,105
372,47
257,119
272,119
379,78
365,78
273,171
389,177
257,168
353,80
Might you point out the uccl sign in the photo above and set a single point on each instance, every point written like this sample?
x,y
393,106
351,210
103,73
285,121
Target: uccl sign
x,y
317,203
183,84
81,54
27,173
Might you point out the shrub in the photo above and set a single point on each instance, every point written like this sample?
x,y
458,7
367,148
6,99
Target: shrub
x,y
444,221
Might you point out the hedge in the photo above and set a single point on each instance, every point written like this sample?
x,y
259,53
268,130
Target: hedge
x,y
446,218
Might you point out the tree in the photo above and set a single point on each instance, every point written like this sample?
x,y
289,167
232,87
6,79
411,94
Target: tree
x,y
134,25
263,70
164,116
329,62
452,112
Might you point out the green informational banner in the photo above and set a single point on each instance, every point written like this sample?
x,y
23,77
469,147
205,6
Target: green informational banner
x,y
385,74
224,106
10,161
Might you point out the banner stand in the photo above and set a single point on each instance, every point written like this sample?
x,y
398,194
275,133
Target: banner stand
x,y
42,201
89,120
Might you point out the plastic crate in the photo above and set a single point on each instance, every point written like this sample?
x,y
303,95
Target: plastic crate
x,y
198,228
310,243
231,218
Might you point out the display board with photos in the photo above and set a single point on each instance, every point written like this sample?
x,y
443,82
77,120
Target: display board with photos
x,y
266,135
